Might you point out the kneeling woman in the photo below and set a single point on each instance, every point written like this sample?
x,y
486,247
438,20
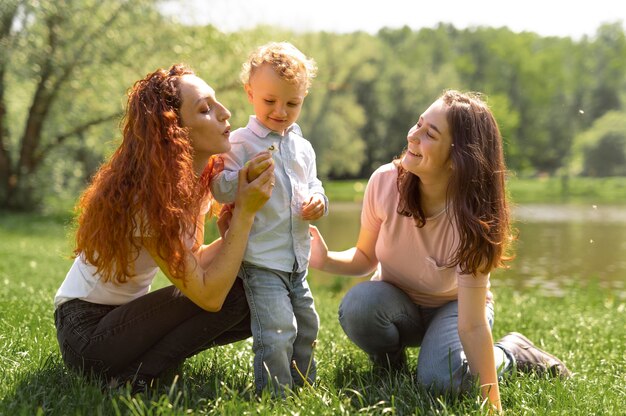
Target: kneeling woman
x,y
145,211
435,222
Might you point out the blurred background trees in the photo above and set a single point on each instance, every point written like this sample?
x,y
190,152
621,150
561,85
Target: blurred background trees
x,y
65,67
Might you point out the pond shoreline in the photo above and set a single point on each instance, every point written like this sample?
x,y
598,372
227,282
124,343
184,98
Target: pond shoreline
x,y
536,212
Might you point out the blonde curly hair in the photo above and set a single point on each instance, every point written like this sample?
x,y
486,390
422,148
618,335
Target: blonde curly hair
x,y
287,60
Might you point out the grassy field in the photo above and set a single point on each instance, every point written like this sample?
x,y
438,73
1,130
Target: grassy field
x,y
585,328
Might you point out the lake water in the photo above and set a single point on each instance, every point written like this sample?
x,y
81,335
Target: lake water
x,y
557,246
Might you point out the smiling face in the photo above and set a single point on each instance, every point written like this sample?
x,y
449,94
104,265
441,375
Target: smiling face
x,y
204,116
429,144
277,102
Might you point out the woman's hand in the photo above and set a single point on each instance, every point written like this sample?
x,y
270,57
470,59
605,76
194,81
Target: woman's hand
x,y
319,249
252,195
258,164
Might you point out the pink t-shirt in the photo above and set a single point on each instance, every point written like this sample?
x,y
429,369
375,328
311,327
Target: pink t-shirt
x,y
411,258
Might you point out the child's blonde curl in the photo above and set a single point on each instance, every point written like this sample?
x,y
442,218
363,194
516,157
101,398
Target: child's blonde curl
x,y
287,60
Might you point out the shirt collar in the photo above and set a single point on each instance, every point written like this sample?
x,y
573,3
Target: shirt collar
x,y
260,130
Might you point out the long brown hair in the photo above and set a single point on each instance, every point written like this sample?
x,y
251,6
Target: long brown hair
x,y
148,187
476,191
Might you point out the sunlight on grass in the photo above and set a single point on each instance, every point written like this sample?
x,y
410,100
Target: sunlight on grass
x,y
585,328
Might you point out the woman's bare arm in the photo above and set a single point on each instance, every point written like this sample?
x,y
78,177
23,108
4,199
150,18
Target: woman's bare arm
x,y
356,261
212,269
477,342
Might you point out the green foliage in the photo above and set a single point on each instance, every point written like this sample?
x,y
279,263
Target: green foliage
x,y
65,67
332,118
608,60
608,158
601,150
69,66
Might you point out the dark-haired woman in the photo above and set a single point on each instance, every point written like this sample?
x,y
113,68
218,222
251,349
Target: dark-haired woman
x,y
434,223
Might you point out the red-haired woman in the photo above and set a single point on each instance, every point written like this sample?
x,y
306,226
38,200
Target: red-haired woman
x,y
144,211
434,223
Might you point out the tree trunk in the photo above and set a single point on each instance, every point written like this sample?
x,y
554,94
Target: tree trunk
x,y
5,159
7,179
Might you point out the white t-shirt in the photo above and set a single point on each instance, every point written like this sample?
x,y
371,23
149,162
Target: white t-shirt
x,y
83,282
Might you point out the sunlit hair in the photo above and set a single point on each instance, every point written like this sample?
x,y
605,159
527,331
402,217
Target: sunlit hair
x,y
148,187
287,60
476,191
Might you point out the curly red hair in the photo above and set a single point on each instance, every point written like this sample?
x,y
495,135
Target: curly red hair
x,y
148,187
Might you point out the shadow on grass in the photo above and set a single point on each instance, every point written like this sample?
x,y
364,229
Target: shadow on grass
x,y
51,389
397,392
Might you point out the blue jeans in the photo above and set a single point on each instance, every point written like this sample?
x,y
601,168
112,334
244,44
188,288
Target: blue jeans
x,y
382,320
284,326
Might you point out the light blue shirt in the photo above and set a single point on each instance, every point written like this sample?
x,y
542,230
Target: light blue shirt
x,y
279,238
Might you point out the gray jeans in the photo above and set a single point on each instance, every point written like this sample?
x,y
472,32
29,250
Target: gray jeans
x,y
146,336
382,320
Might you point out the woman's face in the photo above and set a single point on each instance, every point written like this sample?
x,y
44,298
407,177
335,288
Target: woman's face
x,y
429,144
206,118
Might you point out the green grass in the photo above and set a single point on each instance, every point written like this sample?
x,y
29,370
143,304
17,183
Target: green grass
x,y
571,189
585,328
522,190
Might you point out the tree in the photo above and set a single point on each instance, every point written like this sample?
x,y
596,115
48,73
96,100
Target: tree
x,y
601,150
332,118
608,60
412,70
608,157
56,54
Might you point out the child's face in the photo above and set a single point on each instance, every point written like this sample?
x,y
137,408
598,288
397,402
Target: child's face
x,y
277,102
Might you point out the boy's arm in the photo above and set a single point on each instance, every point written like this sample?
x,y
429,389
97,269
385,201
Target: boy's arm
x,y
315,185
224,185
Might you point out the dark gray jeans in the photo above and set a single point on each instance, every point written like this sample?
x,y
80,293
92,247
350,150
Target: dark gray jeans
x,y
147,336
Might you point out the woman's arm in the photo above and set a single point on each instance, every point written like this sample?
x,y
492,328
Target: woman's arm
x,y
356,261
477,341
212,269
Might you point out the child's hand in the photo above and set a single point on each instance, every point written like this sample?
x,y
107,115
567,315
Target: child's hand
x,y
258,164
314,207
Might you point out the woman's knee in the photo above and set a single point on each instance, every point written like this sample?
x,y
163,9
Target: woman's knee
x,y
447,376
357,304
363,315
373,301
